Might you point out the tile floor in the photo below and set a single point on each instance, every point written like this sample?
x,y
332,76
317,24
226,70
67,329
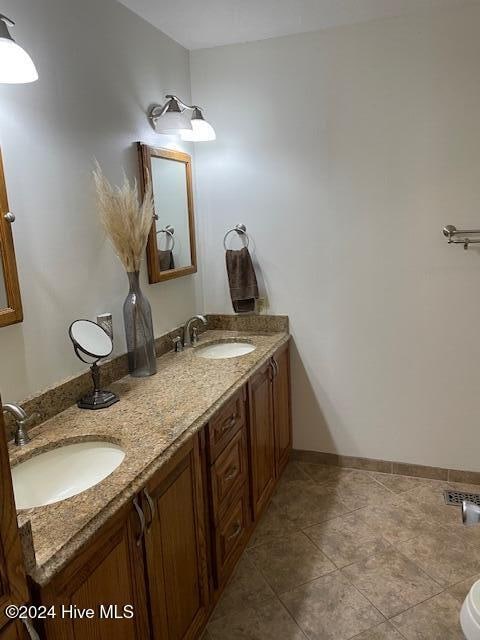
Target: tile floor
x,y
343,554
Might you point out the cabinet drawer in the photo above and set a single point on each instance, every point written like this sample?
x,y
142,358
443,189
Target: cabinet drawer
x,y
231,535
229,472
223,426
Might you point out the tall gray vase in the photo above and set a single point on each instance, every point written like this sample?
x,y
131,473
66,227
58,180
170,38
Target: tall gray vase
x,y
137,315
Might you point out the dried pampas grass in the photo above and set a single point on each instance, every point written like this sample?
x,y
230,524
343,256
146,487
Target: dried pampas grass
x,y
126,221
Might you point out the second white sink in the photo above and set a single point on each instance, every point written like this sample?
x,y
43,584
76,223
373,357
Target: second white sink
x,y
64,472
220,350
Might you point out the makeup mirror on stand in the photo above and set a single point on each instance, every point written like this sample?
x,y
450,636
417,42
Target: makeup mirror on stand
x,y
92,343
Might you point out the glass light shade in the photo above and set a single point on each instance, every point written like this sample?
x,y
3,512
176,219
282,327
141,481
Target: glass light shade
x,y
16,66
201,131
173,122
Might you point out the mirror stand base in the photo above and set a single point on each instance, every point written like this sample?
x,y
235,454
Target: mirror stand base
x,y
97,399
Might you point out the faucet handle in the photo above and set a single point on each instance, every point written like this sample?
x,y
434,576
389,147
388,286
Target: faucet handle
x,y
177,344
194,335
33,417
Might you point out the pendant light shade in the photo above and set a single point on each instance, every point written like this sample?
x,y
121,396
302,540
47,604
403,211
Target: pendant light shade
x,y
16,66
201,131
170,119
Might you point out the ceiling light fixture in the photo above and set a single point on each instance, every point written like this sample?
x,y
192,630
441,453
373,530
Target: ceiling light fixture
x,y
177,118
16,66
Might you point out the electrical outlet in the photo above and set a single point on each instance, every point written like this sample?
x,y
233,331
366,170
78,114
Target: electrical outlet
x,y
105,321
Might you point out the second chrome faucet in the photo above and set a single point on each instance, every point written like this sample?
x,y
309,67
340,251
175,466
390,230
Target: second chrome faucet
x,y
190,333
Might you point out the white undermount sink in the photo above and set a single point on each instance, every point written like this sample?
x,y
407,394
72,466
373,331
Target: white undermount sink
x,y
63,472
220,350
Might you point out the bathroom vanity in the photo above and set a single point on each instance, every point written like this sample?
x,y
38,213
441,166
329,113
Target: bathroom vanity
x,y
205,442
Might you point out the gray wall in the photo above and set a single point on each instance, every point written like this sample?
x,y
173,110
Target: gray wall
x,y
100,68
345,152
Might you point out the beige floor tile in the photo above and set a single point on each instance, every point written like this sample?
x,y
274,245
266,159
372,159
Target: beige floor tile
x,y
397,484
347,539
305,503
357,489
442,555
430,492
321,473
391,582
273,524
468,534
430,502
440,514
326,503
384,631
269,621
396,519
246,588
330,608
436,619
290,561
460,590
294,471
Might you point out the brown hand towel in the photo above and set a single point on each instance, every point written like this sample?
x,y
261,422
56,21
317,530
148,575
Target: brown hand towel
x,y
242,280
165,258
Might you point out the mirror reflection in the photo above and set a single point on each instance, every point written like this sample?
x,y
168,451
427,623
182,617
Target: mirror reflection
x,y
169,185
10,299
3,290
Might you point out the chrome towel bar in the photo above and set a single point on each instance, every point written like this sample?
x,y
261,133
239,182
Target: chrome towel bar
x,y
452,232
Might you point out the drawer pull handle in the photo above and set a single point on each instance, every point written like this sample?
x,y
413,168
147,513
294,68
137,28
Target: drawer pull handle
x,y
151,506
275,367
236,532
32,634
231,473
229,424
141,518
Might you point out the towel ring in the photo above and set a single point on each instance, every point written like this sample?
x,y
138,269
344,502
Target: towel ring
x,y
170,233
240,229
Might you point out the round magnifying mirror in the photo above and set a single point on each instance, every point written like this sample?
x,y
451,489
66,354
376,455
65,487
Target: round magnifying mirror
x,y
91,339
92,343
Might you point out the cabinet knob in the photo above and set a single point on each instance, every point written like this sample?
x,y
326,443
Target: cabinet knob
x,y
9,217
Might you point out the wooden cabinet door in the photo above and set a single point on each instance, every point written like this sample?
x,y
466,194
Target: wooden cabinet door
x,y
14,631
13,582
109,572
282,407
262,437
176,548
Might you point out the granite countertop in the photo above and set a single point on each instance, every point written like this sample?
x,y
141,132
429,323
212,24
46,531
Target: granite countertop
x,y
154,417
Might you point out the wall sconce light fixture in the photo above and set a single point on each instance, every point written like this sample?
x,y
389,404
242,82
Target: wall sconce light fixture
x,y
177,118
16,66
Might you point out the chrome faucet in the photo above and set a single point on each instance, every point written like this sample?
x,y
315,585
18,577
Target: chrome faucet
x,y
21,421
191,337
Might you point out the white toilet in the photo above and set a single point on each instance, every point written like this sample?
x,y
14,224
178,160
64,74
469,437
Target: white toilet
x,y
470,613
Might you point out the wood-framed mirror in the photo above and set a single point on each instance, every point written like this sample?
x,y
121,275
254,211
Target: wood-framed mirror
x,y
10,298
171,248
